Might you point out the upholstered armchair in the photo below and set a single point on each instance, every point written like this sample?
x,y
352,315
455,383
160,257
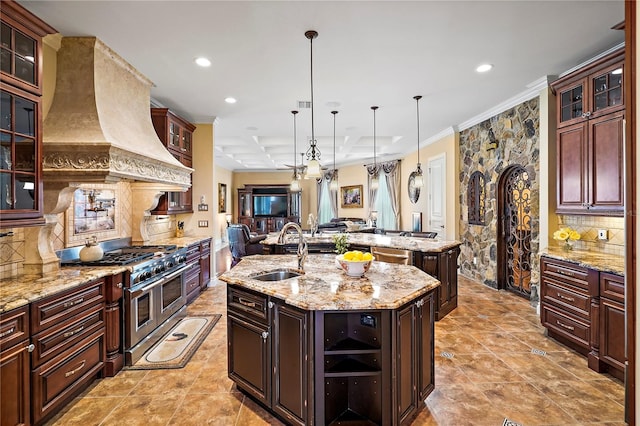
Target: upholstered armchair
x,y
242,243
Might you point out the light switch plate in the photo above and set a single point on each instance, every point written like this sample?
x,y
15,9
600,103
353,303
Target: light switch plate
x,y
603,234
203,223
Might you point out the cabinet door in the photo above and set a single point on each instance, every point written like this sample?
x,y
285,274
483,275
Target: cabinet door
x,y
606,94
249,357
186,198
572,166
290,366
205,270
14,385
406,362
426,347
571,101
612,333
606,162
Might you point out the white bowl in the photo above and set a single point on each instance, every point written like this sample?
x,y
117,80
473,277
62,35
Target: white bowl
x,y
354,268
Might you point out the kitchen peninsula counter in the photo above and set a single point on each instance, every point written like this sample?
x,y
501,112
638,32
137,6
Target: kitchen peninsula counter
x,y
326,348
21,290
415,244
602,262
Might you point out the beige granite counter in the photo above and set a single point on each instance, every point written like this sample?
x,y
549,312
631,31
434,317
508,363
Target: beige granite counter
x,y
24,289
326,287
429,245
599,261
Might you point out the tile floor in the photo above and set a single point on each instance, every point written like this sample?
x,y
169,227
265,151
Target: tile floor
x,y
492,375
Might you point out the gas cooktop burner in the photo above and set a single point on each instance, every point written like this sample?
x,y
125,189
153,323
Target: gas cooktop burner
x,y
111,258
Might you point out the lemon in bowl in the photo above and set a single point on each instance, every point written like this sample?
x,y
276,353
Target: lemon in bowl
x,y
355,263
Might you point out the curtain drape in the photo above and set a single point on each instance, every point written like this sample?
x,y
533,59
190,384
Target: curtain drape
x,y
322,185
391,170
372,171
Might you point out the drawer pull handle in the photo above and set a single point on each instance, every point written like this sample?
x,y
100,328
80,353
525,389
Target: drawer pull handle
x,y
568,299
73,302
265,334
246,302
31,348
8,332
565,273
71,333
568,327
75,370
119,285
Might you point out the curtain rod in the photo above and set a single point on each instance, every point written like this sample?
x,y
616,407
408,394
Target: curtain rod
x,y
379,163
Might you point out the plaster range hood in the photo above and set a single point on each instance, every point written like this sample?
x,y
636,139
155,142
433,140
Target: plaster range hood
x,y
99,127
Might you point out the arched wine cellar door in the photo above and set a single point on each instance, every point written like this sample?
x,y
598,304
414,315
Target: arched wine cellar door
x,y
514,231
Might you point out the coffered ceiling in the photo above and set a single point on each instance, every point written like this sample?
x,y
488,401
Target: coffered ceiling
x,y
367,53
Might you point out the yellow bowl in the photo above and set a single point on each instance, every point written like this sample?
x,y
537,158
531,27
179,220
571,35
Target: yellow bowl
x,y
354,268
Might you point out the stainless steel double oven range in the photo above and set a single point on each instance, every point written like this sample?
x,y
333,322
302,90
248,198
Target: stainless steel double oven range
x,y
154,295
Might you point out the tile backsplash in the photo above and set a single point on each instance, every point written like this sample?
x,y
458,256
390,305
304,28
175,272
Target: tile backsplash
x,y
588,227
12,253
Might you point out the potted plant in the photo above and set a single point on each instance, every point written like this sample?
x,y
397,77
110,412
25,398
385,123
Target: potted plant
x,y
340,240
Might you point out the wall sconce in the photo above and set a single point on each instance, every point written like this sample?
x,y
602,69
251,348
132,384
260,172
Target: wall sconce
x,y
228,217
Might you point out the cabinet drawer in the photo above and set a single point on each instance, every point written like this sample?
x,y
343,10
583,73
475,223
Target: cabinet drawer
x,y
193,283
193,252
205,247
245,302
567,272
565,298
58,380
56,339
65,305
14,327
612,286
566,326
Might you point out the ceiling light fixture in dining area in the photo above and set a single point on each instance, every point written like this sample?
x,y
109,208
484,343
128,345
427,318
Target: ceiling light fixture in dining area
x,y
313,153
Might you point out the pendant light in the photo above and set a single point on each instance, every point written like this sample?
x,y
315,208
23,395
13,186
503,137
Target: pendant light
x,y
374,179
333,186
418,181
295,183
313,153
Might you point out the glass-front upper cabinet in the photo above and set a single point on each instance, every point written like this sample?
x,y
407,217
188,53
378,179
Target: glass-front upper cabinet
x,y
18,55
597,91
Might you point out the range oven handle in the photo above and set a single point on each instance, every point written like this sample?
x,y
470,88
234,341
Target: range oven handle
x,y
162,280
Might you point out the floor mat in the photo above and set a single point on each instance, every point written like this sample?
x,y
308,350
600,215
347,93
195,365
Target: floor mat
x,y
177,347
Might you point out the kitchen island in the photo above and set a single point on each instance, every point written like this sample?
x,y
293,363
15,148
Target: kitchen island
x,y
323,347
438,258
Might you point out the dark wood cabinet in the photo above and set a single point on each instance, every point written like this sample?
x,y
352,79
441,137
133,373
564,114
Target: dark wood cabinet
x,y
590,139
192,274
266,208
176,134
15,367
612,325
21,121
414,368
114,359
584,309
205,263
248,329
290,355
444,267
68,332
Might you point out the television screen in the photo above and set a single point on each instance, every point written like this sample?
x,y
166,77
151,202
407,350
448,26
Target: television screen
x,y
270,205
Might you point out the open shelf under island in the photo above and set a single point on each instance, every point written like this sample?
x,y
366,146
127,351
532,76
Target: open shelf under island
x,y
325,348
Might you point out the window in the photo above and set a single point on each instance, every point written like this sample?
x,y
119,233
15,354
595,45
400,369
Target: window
x,y
386,218
476,198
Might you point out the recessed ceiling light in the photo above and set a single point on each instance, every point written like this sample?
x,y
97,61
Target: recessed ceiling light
x,y
230,100
203,62
484,68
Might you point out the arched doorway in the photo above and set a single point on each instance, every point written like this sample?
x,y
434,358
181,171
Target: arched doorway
x,y
514,231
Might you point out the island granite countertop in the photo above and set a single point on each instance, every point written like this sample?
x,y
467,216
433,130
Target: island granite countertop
x,y
24,289
429,245
325,287
602,262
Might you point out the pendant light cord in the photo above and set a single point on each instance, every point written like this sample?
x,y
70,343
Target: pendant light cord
x,y
295,160
334,141
374,108
417,98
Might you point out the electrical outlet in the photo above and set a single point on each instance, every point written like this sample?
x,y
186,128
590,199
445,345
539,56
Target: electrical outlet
x,y
475,260
603,234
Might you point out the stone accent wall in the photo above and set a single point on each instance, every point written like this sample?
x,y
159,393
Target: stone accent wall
x,y
509,138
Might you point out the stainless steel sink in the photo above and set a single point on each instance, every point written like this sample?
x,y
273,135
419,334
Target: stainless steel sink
x,y
276,275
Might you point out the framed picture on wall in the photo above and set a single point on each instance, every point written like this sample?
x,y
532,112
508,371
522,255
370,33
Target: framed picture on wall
x,y
222,198
416,221
351,196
